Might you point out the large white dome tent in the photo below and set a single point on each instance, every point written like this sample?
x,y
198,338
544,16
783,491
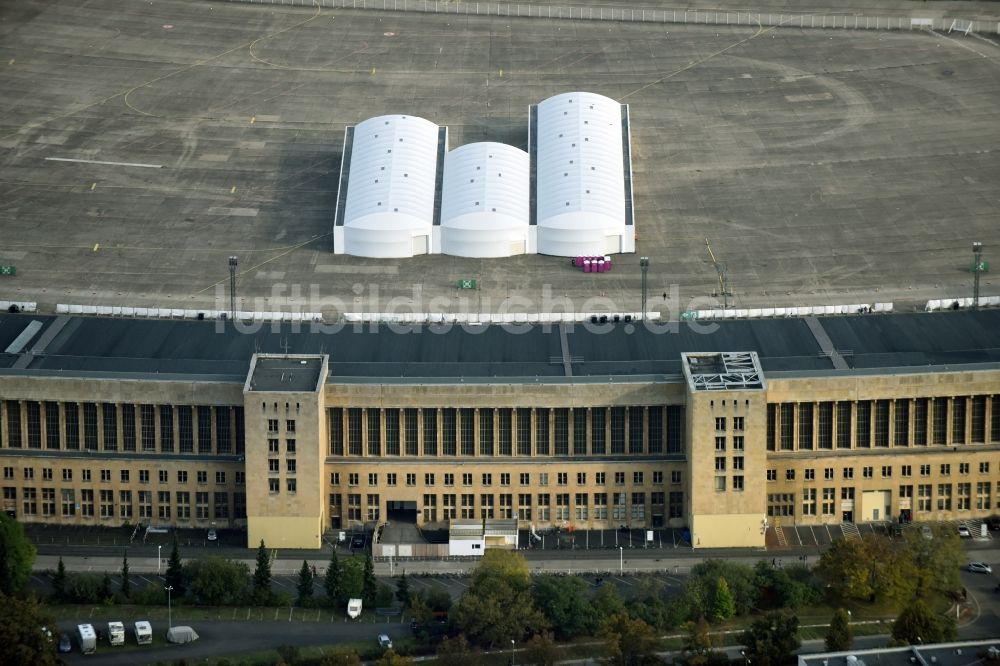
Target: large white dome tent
x,y
580,145
390,171
485,209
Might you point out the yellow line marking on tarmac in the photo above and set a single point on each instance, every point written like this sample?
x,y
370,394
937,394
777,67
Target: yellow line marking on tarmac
x,y
233,190
96,246
253,120
93,186
11,62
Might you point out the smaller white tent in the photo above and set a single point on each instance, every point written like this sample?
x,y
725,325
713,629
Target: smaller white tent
x,y
484,201
181,635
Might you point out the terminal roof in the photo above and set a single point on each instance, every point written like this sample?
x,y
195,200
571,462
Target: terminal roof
x,y
205,350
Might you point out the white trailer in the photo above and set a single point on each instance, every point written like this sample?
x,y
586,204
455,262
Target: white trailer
x,y
353,608
116,633
143,633
88,638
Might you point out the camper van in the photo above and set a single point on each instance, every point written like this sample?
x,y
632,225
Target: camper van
x,y
116,633
143,633
354,608
88,638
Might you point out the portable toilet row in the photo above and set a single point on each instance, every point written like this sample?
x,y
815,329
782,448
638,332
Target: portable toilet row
x,y
593,264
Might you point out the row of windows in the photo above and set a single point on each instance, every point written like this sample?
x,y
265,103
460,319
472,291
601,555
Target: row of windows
x,y
505,478
90,426
885,471
124,475
865,424
823,501
522,431
125,504
528,506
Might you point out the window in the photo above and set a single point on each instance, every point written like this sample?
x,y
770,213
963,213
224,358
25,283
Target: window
x,y
848,472
809,502
105,475
863,429
843,425
772,475
466,479
906,470
372,479
290,485
274,486
829,501
720,484
738,483
290,467
886,471
637,478
984,468
924,497
47,474
658,478
925,470
599,478
810,474
828,473
429,479
504,478
720,423
162,474
581,478
675,476
805,426
945,469
468,506
825,418
944,497
867,472
619,478
963,468
274,466
202,476
221,502
617,430
272,425
543,478
737,442
390,478
487,479
525,478
67,474
411,479
449,479
738,422
273,447
122,474
789,475
983,495
720,463
352,479
720,443
964,496
486,432
220,477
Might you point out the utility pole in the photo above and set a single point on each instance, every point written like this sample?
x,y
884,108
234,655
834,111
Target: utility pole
x,y
644,266
977,268
232,287
723,272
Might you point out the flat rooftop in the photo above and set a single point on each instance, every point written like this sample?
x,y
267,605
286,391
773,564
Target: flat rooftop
x,y
820,166
193,350
285,373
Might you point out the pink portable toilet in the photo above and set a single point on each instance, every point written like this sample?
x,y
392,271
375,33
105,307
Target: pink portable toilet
x,y
578,262
607,263
586,265
600,266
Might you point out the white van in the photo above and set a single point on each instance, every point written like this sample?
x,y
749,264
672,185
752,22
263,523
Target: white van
x,y
143,633
88,638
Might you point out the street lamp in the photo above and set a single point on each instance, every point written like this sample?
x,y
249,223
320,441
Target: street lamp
x,y
621,561
232,287
977,268
159,549
512,652
170,617
644,265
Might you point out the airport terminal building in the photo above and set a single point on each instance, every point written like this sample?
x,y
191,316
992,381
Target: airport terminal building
x,y
726,429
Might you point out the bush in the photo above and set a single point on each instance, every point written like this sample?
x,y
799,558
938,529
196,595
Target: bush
x,y
151,595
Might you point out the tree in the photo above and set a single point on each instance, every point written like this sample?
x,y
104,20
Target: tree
x,y
17,556
262,577
723,606
498,606
771,640
454,651
105,589
341,657
839,636
564,603
59,582
937,561
702,584
541,650
217,581
175,572
332,583
126,583
390,658
630,641
305,584
697,642
785,587
919,624
369,586
438,599
27,634
352,579
403,591
870,569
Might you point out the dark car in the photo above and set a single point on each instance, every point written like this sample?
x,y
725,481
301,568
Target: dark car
x,y
65,644
357,541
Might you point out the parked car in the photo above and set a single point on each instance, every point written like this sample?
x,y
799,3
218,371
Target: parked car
x,y
964,532
384,642
212,536
357,541
65,644
926,532
980,567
